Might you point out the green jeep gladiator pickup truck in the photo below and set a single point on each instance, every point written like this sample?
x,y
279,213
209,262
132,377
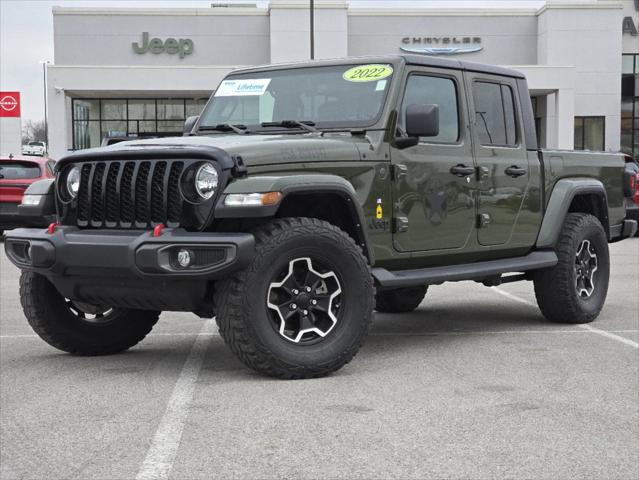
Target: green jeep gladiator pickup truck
x,y
306,196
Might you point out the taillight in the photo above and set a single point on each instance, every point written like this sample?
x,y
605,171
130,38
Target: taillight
x,y
634,186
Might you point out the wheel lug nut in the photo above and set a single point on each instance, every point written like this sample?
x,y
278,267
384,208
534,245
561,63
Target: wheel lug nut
x,y
295,291
308,289
314,302
305,312
293,306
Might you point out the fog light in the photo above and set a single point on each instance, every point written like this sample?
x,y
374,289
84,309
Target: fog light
x,y
184,258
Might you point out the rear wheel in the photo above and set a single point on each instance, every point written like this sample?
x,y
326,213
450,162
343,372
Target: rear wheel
x,y
80,328
574,290
401,300
304,305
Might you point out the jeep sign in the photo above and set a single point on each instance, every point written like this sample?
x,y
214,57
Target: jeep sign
x,y
183,46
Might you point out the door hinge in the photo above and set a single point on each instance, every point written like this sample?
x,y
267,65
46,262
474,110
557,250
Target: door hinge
x,y
483,220
398,171
482,172
400,224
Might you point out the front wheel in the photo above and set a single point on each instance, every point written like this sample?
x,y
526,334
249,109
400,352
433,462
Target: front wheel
x,y
80,328
574,290
304,305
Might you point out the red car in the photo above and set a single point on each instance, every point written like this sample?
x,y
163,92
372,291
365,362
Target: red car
x,y
16,174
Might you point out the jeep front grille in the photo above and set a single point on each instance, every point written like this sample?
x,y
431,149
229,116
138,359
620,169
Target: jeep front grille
x,y
130,194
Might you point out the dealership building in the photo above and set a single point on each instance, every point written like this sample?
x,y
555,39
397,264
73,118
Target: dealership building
x,y
141,72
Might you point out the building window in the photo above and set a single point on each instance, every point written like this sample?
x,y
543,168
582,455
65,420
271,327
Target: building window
x,y
96,118
495,114
422,89
590,133
630,105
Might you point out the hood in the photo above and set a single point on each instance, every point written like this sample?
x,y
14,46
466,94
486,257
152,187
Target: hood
x,y
255,150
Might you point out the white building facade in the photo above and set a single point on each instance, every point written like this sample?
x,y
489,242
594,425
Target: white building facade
x,y
141,72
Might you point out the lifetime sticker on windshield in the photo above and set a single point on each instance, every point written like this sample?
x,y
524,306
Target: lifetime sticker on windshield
x,y
242,87
367,73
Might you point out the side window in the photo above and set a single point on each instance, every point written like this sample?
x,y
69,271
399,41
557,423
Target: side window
x,y
495,114
421,89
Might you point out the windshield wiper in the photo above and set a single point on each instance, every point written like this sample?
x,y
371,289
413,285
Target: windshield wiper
x,y
225,127
305,124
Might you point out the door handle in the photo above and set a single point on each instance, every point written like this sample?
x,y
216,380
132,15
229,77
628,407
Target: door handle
x,y
462,170
514,171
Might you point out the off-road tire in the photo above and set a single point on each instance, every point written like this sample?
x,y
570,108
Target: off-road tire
x,y
242,313
555,288
401,300
50,317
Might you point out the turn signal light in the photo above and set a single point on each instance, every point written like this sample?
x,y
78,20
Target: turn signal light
x,y
252,199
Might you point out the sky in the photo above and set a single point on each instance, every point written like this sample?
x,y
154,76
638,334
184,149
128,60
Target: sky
x,y
26,34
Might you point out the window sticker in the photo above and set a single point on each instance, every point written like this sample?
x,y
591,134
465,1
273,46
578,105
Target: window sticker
x,y
242,87
367,73
381,85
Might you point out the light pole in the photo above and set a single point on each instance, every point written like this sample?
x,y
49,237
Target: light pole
x,y
44,96
312,12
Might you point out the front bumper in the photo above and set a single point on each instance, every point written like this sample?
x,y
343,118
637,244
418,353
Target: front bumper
x,y
131,268
71,251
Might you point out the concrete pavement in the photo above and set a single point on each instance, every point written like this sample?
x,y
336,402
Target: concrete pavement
x,y
474,384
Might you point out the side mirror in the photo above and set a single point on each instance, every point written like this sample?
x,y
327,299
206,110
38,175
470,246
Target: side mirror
x,y
422,120
189,123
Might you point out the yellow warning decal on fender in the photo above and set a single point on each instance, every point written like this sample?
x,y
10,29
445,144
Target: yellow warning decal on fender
x,y
367,73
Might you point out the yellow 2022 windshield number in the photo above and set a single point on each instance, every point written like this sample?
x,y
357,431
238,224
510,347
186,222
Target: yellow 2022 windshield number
x,y
367,73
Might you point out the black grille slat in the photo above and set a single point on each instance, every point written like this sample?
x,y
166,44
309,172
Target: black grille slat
x,y
141,189
97,195
127,203
130,194
158,192
174,202
83,195
112,197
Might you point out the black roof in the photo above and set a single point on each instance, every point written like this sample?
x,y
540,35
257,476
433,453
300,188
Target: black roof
x,y
422,60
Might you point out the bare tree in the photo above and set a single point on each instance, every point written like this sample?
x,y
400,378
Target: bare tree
x,y
33,131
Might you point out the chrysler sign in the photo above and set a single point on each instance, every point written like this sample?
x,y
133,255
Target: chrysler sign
x,y
441,45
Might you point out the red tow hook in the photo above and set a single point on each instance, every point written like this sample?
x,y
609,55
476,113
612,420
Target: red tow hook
x,y
51,228
157,230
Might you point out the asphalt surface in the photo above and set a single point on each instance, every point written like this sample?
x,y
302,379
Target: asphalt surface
x,y
474,384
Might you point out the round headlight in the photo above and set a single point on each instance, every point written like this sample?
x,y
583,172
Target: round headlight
x,y
206,181
73,181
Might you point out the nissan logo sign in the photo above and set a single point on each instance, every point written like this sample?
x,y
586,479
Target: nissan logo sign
x,y
8,103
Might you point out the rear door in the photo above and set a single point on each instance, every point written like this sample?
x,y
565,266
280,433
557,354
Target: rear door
x,y
503,171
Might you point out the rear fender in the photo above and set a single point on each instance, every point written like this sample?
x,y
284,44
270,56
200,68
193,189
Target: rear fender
x,y
561,198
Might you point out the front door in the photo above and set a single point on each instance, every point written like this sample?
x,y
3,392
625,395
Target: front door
x,y
502,160
434,207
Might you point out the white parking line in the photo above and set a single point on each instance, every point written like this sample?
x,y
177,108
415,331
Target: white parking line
x,y
166,441
603,333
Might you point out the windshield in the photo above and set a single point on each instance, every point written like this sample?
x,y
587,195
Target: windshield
x,y
36,144
343,96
